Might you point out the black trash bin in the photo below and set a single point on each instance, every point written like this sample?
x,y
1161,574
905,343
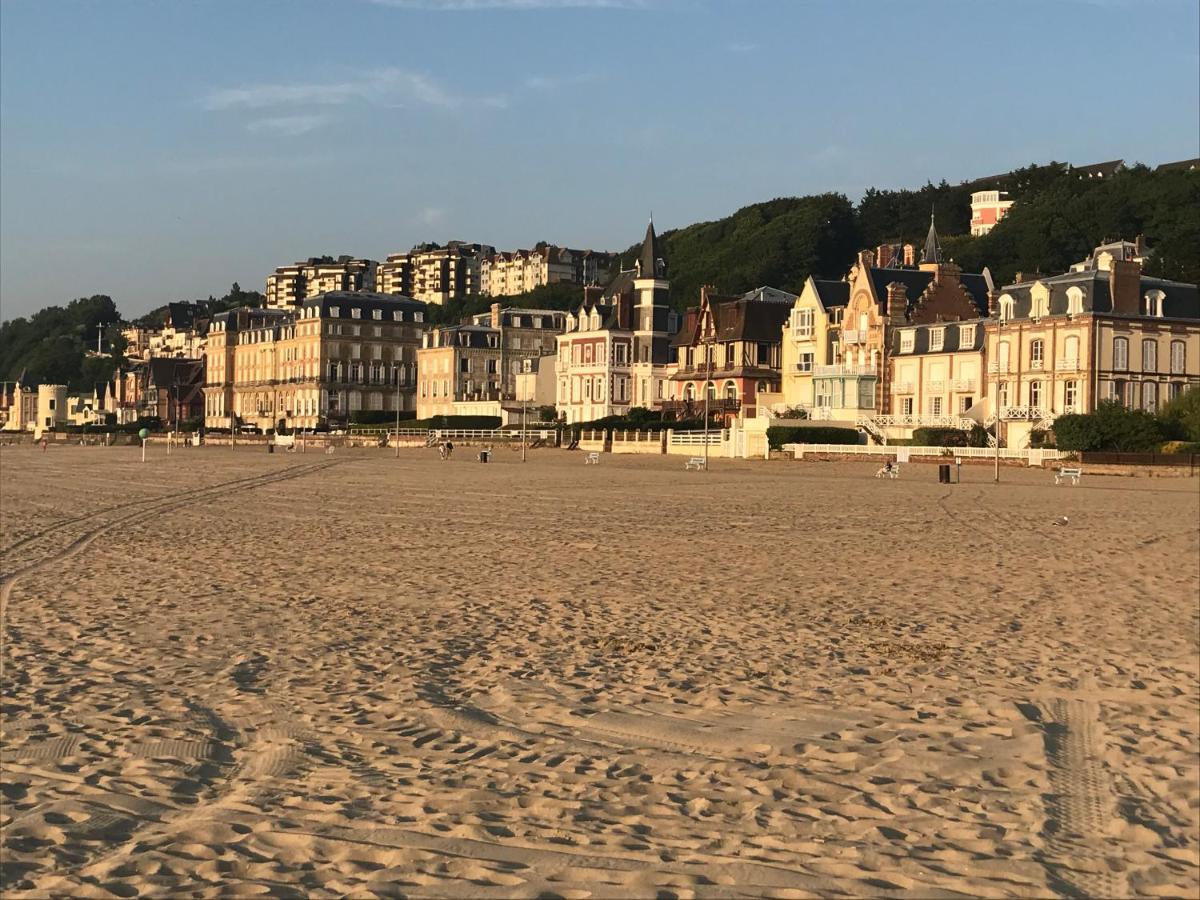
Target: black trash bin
x,y
944,474
270,447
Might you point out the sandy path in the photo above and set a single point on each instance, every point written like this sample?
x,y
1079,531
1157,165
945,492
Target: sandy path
x,y
233,673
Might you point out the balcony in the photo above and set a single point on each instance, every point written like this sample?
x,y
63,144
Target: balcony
x,y
937,387
1070,364
720,404
853,336
1023,413
846,369
994,368
1036,365
902,387
963,384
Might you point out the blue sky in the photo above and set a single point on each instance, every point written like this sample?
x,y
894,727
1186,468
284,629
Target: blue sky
x,y
161,150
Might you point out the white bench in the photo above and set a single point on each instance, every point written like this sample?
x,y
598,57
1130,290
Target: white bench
x,y
1064,473
592,459
885,472
695,462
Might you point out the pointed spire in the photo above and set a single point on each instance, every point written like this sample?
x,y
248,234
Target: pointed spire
x,y
650,262
933,247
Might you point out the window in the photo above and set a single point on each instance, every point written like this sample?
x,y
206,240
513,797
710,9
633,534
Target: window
x,y
906,406
1071,350
803,324
1039,301
1120,354
764,354
935,406
1178,357
906,341
1035,394
1004,356
729,356
1074,301
1150,396
1118,391
659,385
1174,389
690,392
966,336
806,362
377,314
965,403
1153,303
1002,394
1071,395
863,321
621,352
1006,307
937,338
464,365
356,313
710,391
1037,353
1149,355
335,312
730,390
491,367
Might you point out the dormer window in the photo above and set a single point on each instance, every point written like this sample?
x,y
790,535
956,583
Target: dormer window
x,y
1153,305
419,316
1007,305
397,316
356,313
1039,301
937,338
335,312
1074,301
907,341
966,337
377,314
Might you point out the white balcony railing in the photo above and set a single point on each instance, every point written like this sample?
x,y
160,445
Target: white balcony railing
x,y
963,384
1036,364
937,387
846,369
1023,413
902,387
994,367
916,420
1070,364
853,336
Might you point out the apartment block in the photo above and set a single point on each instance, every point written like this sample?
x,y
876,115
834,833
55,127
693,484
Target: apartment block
x,y
481,360
287,286
432,273
511,273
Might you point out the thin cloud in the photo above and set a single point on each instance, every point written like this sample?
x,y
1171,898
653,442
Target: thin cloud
x,y
477,5
742,47
388,86
287,126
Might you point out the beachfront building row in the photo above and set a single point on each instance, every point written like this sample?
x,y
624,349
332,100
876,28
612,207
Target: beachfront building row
x,y
333,355
474,368
896,347
510,273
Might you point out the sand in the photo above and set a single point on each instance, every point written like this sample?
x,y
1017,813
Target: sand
x,y
230,673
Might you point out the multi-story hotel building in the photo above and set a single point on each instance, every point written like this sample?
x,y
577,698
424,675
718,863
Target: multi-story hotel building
x,y
811,338
509,274
432,273
615,353
288,285
730,349
1102,331
334,355
480,361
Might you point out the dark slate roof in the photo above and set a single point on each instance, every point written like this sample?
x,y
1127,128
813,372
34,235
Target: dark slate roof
x,y
1188,165
619,284
366,301
832,294
1181,300
650,254
951,342
916,280
181,316
770,295
749,320
933,247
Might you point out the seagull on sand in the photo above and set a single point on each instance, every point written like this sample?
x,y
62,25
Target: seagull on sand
x,y
1061,520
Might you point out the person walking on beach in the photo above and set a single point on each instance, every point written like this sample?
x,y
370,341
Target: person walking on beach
x,y
449,449
442,450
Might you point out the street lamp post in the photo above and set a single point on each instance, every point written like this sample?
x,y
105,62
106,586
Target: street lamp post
x,y
999,335
707,379
396,370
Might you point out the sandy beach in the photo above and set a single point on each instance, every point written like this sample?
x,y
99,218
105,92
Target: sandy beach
x,y
228,673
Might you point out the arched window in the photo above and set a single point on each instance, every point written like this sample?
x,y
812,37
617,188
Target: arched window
x,y
1150,396
1039,301
1153,303
711,390
689,392
1037,354
763,387
1178,357
1149,355
1071,350
730,391
1120,354
1007,305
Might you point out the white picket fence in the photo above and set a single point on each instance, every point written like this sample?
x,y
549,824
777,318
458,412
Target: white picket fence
x,y
696,438
1032,457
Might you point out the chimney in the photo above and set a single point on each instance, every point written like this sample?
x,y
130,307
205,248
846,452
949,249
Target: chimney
x,y
1139,246
1124,286
883,256
866,259
897,300
1019,278
993,298
495,315
910,255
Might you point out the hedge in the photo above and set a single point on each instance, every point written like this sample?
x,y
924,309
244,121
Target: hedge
x,y
778,435
468,423
378,416
950,437
1111,427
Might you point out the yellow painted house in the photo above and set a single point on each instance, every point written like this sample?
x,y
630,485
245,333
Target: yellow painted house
x,y
812,338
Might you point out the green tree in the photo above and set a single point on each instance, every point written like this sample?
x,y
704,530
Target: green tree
x,y
1110,427
1180,417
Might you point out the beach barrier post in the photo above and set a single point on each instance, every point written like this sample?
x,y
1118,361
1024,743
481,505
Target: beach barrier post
x,y
143,434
